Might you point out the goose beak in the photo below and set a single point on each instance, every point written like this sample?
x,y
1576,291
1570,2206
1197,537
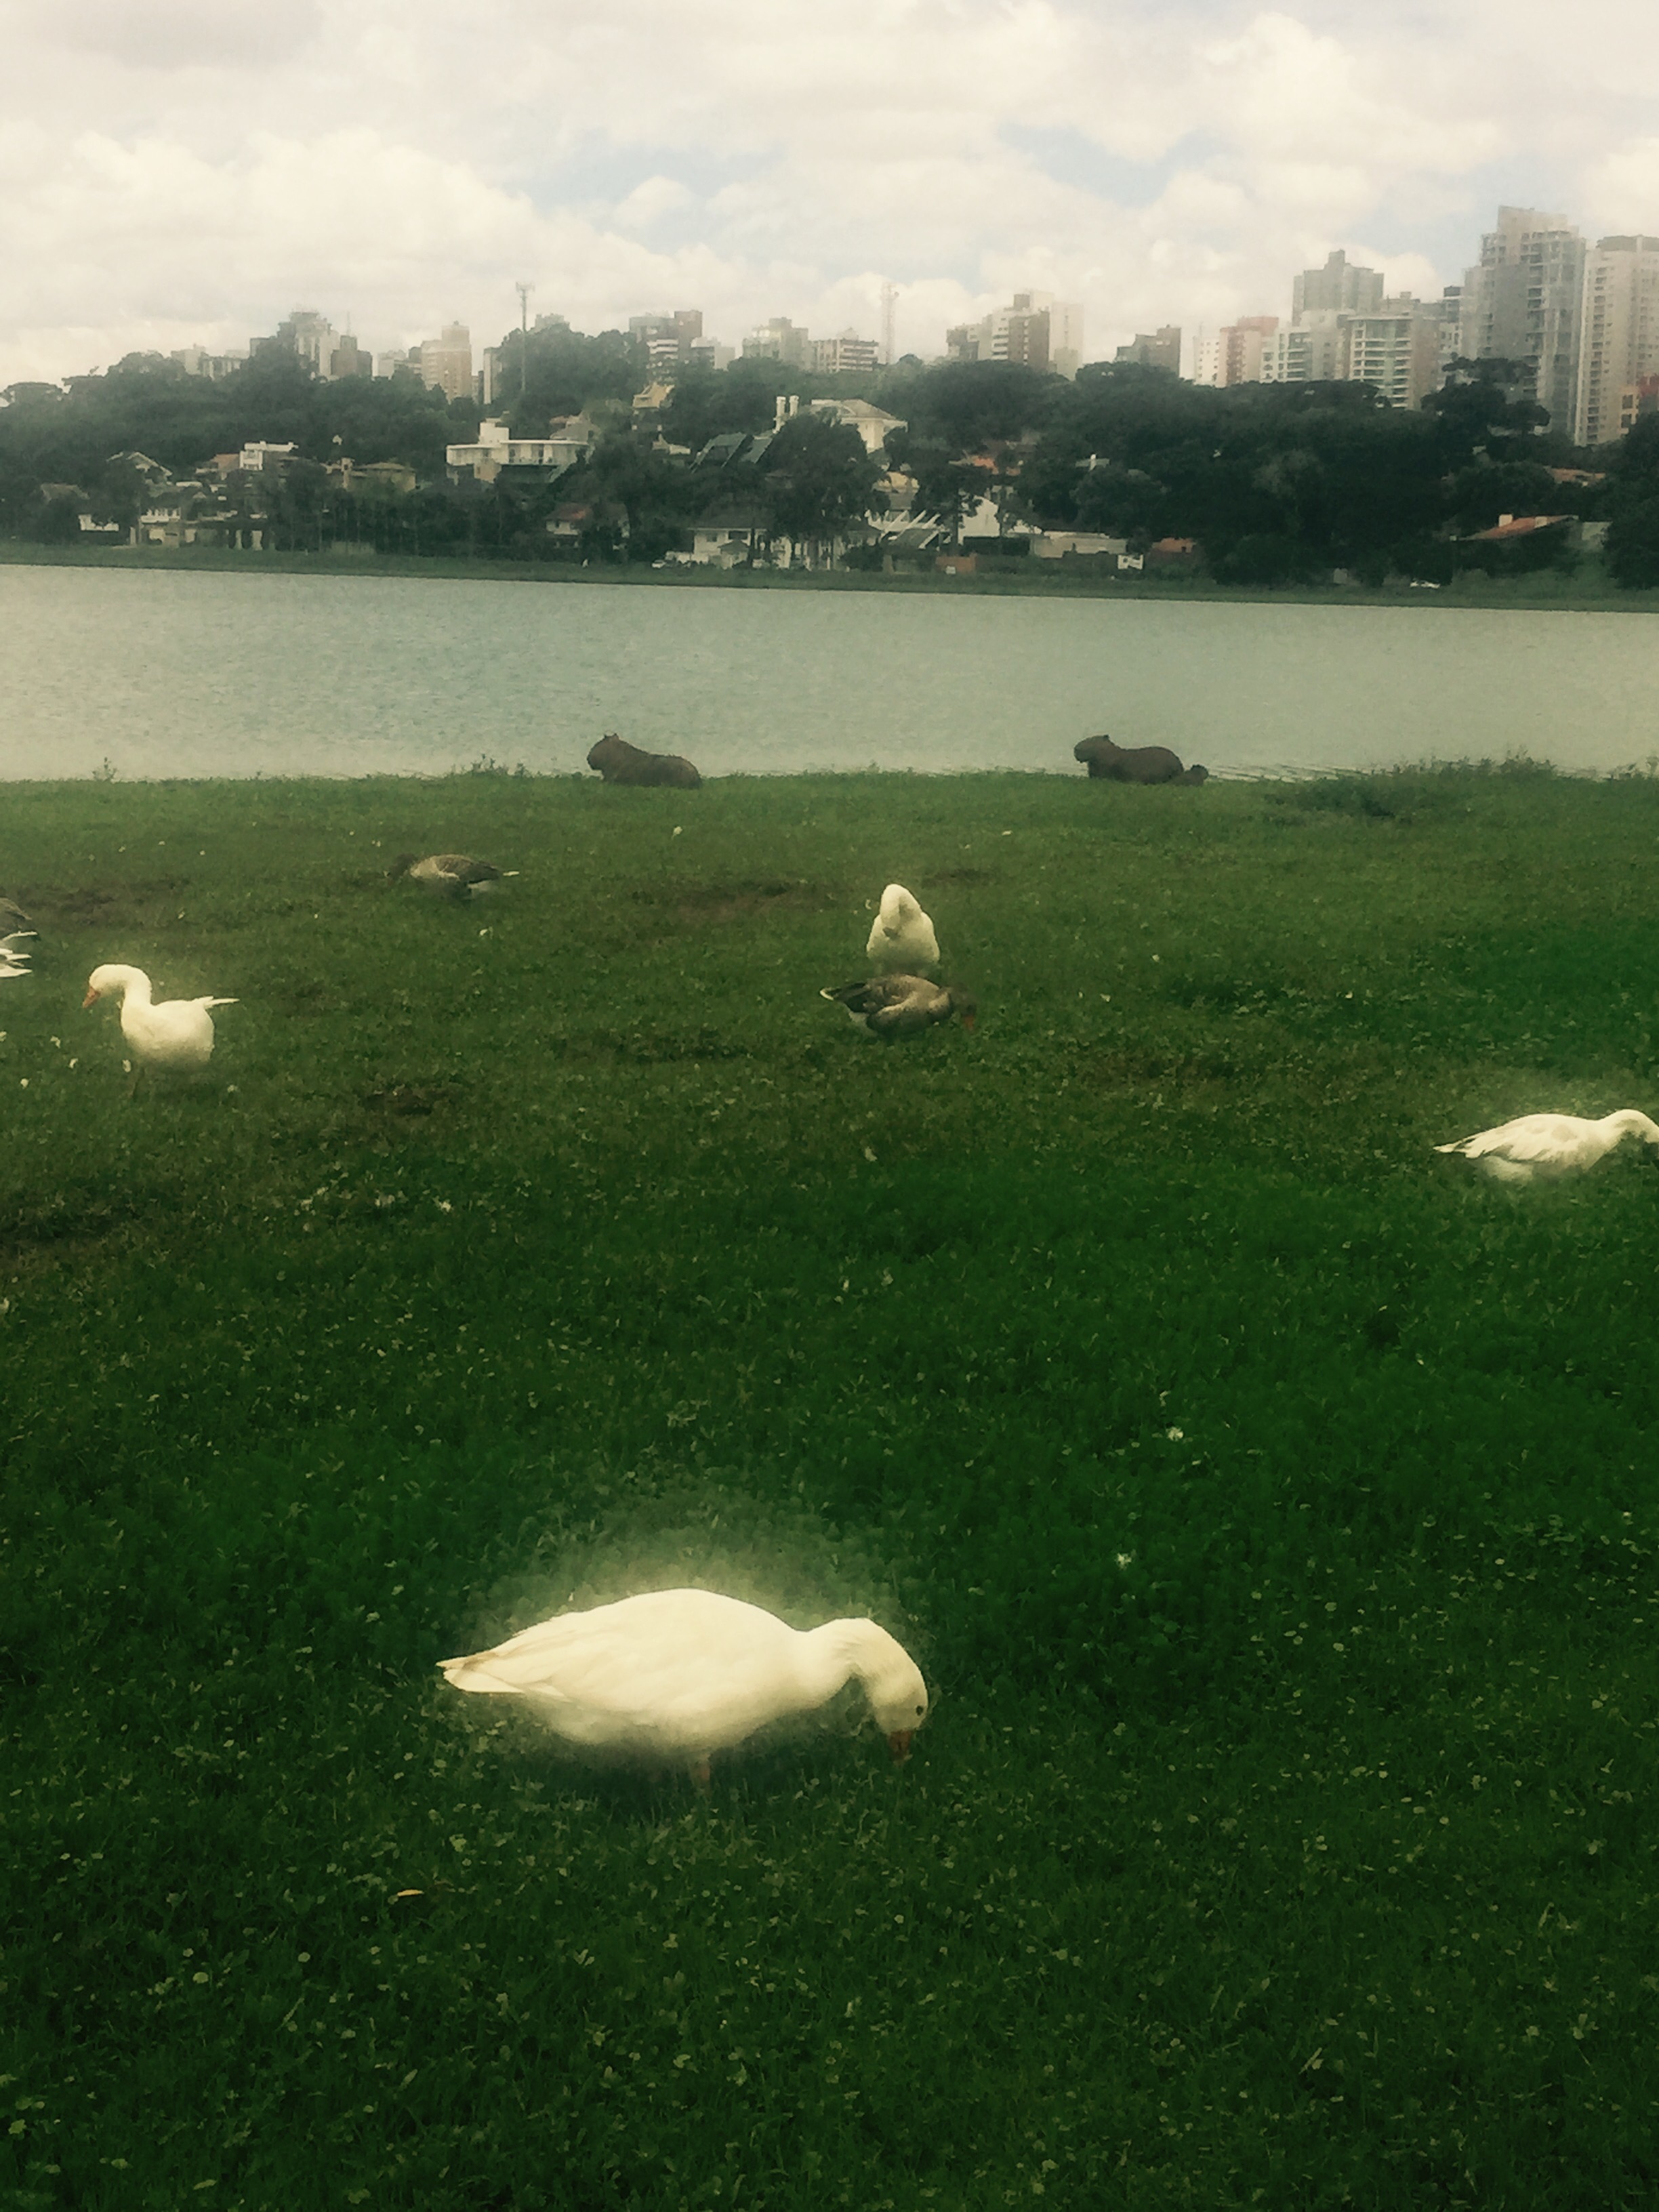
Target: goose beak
x,y
899,1744
968,1021
90,1000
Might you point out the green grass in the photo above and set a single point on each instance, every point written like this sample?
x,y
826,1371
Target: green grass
x,y
1271,1508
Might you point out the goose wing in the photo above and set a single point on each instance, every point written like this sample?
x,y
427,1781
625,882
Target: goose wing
x,y
464,868
1534,1140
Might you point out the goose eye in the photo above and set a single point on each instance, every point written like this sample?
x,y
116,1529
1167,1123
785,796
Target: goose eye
x,y
920,1710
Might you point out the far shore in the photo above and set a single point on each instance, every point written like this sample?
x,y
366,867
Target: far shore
x,y
1589,591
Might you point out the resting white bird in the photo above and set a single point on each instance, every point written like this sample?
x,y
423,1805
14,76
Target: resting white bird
x,y
902,936
179,1033
681,1674
889,1006
1552,1144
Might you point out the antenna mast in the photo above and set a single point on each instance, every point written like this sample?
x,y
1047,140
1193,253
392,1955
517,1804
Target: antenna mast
x,y
889,318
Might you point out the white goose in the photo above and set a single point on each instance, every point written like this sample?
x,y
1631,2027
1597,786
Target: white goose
x,y
903,936
1552,1144
681,1674
179,1033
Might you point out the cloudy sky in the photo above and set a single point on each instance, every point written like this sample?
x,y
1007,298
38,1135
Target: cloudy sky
x,y
188,171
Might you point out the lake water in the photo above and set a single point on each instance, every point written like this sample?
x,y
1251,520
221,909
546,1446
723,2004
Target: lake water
x,y
170,673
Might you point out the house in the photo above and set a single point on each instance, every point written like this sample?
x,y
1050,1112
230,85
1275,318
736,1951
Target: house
x,y
261,454
728,538
569,438
1173,553
574,519
873,425
1509,528
984,518
371,476
720,452
651,404
957,564
1055,544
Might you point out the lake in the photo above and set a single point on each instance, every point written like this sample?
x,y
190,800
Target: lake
x,y
168,673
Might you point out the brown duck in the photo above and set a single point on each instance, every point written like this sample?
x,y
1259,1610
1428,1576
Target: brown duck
x,y
889,1007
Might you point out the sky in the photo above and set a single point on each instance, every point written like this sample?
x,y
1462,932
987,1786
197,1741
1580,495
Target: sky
x,y
188,172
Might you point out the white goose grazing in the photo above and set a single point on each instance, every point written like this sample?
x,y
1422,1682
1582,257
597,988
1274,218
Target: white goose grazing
x,y
1552,1144
889,1007
903,936
681,1674
179,1033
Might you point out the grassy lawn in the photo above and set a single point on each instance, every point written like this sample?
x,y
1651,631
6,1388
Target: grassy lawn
x,y
1270,1507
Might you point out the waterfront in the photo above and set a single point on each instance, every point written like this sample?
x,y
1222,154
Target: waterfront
x,y
168,673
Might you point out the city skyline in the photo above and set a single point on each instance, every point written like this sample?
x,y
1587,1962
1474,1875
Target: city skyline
x,y
180,175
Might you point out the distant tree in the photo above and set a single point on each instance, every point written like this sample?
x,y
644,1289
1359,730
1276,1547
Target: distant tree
x,y
1478,495
1632,546
557,372
1271,558
818,479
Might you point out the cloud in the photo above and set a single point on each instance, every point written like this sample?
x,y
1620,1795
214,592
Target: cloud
x,y
196,168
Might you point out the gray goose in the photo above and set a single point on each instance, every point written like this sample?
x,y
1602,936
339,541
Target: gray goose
x,y
889,1007
449,875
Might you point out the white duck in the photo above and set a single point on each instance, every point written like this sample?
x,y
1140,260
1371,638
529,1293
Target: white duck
x,y
681,1674
179,1033
903,936
1552,1144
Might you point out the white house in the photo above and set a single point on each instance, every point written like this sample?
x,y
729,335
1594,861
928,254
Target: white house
x,y
568,442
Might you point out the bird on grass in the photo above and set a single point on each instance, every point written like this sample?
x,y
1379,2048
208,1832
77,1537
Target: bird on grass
x,y
680,1674
15,955
889,1007
449,875
1549,1145
177,1034
902,939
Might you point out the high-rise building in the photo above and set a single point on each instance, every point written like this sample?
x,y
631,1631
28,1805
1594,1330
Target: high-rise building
x,y
843,355
1034,329
348,358
1341,287
1159,349
1397,349
309,337
1619,343
1232,354
1313,351
446,361
779,340
1523,302
669,340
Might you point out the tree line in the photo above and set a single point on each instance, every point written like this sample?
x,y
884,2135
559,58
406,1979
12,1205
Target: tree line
x,y
1278,483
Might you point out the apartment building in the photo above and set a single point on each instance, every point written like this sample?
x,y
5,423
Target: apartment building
x,y
1034,329
1523,302
1620,333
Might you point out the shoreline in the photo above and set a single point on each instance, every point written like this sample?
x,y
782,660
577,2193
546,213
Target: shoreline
x,y
1589,593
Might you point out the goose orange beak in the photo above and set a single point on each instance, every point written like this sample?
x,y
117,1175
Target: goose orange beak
x,y
90,1000
899,1744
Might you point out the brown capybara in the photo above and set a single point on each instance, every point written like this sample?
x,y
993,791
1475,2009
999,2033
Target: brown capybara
x,y
618,762
1135,763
